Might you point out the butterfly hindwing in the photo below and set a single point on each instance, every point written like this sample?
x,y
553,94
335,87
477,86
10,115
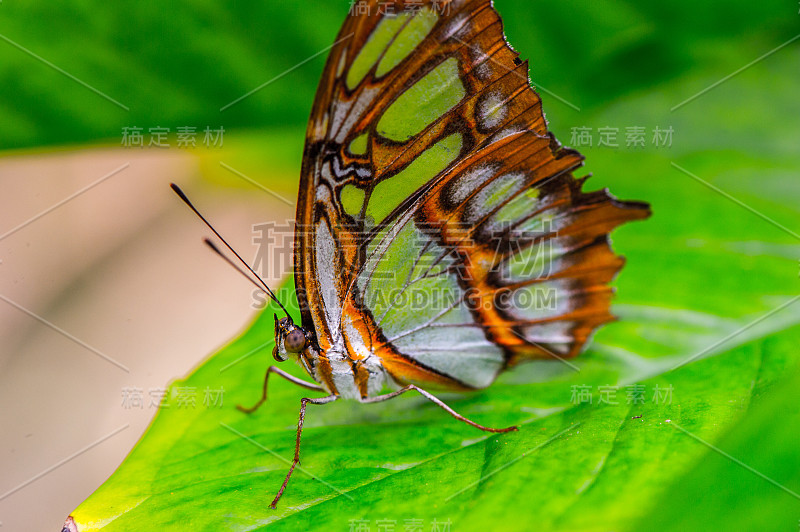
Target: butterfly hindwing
x,y
440,227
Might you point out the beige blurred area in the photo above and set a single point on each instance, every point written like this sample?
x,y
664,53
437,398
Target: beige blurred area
x,y
111,289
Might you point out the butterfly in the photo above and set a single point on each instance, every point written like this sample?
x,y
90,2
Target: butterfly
x,y
441,236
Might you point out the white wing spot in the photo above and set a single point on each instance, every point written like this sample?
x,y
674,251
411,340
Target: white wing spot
x,y
342,61
461,188
492,110
327,268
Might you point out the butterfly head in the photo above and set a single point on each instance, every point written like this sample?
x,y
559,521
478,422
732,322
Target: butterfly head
x,y
289,339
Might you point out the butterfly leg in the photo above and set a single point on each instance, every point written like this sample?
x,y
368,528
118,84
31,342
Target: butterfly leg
x,y
290,378
303,402
432,398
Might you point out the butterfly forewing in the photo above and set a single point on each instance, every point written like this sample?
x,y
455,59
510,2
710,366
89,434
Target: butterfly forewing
x,y
440,228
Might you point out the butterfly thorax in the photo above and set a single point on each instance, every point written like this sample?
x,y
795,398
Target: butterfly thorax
x,y
347,376
340,369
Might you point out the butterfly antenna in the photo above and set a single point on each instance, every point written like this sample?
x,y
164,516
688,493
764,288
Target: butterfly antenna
x,y
262,285
235,266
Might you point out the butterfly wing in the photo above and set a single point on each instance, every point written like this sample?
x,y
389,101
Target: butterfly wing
x,y
440,227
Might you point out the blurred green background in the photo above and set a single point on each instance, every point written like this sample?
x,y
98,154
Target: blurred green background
x,y
177,63
702,268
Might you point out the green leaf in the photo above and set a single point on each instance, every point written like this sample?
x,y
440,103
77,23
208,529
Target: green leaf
x,y
759,459
208,466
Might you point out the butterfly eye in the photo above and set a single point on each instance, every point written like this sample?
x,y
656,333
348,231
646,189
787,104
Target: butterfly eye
x,y
295,341
277,356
